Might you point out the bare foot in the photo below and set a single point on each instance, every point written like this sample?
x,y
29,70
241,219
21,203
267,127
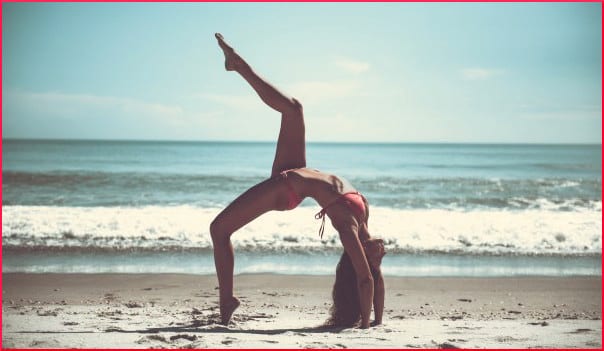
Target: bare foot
x,y
227,309
232,60
375,323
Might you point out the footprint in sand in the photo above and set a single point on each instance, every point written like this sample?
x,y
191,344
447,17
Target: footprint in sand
x,y
47,313
228,340
543,324
503,339
183,336
205,294
157,338
270,341
133,304
580,331
446,345
110,297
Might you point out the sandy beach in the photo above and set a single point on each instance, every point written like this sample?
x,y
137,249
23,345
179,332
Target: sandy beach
x,y
284,311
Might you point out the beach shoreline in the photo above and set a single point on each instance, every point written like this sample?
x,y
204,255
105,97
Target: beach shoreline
x,y
286,311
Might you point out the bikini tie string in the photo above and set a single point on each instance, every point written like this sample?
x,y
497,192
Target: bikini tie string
x,y
321,215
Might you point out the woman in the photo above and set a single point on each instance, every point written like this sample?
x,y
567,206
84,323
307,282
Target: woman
x,y
289,184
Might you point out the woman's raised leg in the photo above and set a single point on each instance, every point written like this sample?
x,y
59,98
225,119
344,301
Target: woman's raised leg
x,y
291,145
256,201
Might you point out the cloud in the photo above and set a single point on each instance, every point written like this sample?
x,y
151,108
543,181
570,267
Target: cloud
x,y
560,113
69,106
351,66
61,115
478,73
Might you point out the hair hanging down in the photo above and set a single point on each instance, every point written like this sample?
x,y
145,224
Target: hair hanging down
x,y
346,308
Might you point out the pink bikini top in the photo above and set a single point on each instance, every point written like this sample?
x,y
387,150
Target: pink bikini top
x,y
353,199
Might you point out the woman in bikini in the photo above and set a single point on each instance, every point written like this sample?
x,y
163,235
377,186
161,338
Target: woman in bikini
x,y
289,184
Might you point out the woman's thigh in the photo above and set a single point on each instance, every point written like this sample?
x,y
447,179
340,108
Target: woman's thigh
x,y
259,199
291,145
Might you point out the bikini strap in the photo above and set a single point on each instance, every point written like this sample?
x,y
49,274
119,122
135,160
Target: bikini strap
x,y
287,182
321,214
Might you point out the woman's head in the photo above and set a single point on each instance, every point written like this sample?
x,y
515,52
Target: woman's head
x,y
346,308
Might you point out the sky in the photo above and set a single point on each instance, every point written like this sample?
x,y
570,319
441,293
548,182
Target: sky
x,y
364,72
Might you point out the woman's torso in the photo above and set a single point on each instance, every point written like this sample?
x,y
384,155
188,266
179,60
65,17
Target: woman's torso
x,y
325,188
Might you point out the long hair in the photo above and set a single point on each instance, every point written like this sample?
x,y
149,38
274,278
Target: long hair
x,y
346,308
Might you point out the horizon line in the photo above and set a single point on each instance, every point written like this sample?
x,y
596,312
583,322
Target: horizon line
x,y
308,141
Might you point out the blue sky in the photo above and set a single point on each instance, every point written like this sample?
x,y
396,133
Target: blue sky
x,y
367,72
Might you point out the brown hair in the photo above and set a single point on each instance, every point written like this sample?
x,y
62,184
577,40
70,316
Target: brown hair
x,y
346,308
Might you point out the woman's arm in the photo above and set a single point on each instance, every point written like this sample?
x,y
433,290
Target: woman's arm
x,y
378,298
365,297
374,250
354,249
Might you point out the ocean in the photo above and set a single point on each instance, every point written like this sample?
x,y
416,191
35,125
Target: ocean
x,y
442,209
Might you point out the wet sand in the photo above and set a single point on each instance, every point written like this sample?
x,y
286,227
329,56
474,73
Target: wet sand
x,y
286,311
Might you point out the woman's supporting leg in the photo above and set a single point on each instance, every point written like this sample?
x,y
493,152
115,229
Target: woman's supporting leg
x,y
259,199
291,145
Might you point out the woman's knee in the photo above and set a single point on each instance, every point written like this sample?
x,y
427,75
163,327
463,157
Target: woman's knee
x,y
295,107
218,231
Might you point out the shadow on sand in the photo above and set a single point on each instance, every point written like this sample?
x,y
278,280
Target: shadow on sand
x,y
200,327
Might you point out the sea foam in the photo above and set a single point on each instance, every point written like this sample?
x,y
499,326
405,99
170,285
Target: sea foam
x,y
174,228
